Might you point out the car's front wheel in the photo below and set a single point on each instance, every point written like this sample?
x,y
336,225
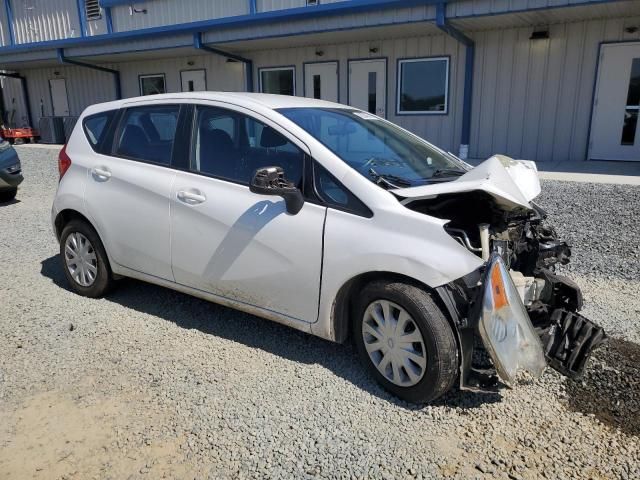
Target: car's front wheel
x,y
84,260
405,340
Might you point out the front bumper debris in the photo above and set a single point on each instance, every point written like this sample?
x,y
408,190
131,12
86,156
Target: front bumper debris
x,y
569,341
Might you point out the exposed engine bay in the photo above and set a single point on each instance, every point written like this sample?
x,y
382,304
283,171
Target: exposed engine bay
x,y
530,251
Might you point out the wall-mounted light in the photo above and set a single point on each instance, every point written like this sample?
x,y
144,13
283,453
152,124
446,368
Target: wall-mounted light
x,y
374,50
631,29
539,35
319,53
56,73
191,63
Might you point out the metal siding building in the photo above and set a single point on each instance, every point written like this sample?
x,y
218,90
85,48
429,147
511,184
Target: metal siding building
x,y
507,90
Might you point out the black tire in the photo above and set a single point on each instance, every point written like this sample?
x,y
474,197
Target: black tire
x,y
104,278
8,195
439,339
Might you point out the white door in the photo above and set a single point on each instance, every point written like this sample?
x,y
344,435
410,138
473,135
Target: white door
x,y
237,244
321,81
193,80
59,99
615,129
368,85
128,194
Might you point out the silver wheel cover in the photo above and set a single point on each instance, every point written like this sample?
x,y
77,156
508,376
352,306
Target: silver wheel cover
x,y
394,343
80,258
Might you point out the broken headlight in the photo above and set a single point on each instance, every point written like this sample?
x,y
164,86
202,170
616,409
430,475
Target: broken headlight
x,y
505,327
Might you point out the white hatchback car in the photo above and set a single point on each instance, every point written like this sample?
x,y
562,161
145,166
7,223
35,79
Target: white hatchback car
x,y
330,220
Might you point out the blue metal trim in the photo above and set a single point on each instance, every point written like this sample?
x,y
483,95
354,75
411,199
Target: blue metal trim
x,y
278,67
115,3
12,36
398,113
253,7
82,17
248,63
442,24
25,93
115,73
318,62
108,20
386,80
298,13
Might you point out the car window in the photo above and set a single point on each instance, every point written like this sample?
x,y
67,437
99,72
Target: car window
x,y
147,133
96,126
232,146
381,151
336,195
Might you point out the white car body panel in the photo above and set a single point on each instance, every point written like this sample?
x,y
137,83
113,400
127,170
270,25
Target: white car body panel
x,y
513,183
279,268
246,247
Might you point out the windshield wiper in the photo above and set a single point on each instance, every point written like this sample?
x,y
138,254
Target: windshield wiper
x,y
447,172
389,181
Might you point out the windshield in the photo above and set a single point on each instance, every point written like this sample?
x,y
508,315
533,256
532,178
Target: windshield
x,y
379,150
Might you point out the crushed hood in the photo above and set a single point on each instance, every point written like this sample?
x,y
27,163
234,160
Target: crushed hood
x,y
513,183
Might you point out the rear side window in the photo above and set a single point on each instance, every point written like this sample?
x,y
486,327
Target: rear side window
x,y
147,133
96,127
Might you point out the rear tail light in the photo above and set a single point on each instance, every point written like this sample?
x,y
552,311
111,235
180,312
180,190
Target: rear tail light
x,y
64,162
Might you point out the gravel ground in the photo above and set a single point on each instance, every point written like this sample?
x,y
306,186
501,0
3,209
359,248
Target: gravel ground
x,y
150,383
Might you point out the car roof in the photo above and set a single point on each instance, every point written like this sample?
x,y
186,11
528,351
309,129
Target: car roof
x,y
245,99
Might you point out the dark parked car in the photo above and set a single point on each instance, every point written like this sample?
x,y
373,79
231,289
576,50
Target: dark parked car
x,y
10,171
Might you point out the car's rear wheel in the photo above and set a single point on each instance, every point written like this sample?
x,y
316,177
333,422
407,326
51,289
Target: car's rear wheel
x,y
8,194
405,340
84,260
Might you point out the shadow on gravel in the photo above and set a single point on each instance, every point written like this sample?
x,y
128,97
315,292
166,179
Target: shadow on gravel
x,y
10,202
193,313
610,387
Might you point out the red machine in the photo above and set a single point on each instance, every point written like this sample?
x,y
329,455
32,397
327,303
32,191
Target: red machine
x,y
19,135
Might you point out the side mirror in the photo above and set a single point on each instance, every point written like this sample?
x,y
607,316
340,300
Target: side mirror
x,y
271,181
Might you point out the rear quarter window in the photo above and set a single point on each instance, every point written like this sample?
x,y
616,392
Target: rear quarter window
x,y
96,127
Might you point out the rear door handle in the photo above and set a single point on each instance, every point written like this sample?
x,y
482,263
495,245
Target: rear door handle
x,y
191,197
102,173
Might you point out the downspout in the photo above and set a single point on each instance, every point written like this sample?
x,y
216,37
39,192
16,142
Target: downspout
x,y
115,73
248,64
25,93
12,35
108,19
442,24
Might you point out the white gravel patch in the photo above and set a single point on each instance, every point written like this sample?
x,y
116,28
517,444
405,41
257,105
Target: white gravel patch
x,y
150,383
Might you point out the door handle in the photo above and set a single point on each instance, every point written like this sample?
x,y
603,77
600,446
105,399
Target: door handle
x,y
193,197
102,173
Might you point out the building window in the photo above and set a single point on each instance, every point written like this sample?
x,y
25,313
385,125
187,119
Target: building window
x,y
281,81
92,10
423,86
152,84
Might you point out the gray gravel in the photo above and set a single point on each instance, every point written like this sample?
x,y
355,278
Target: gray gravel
x,y
149,383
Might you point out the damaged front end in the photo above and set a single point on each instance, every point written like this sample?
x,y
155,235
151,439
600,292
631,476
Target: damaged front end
x,y
515,306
